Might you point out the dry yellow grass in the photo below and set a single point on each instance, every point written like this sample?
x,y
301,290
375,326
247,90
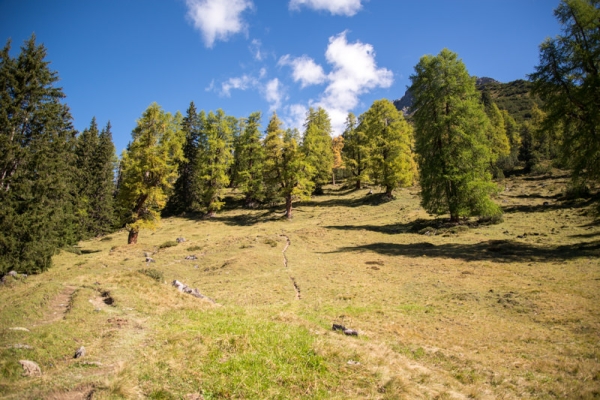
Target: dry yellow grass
x,y
501,311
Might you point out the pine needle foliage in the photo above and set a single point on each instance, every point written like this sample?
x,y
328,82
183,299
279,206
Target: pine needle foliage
x,y
450,139
287,172
567,79
149,169
37,163
316,146
390,137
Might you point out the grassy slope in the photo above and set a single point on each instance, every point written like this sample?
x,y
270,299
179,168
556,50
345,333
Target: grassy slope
x,y
479,312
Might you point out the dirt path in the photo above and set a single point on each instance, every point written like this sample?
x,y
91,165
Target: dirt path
x,y
58,306
286,266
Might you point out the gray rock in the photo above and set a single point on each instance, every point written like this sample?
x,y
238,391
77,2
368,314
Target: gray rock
x,y
18,328
180,240
13,274
350,332
150,260
20,346
30,368
80,352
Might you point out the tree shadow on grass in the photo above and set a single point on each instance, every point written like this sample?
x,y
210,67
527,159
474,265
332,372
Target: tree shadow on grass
x,y
494,250
559,205
248,219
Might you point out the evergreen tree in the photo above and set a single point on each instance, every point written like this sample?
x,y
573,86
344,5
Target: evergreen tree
x,y
390,138
496,133
87,143
102,202
95,154
337,146
287,173
249,160
356,150
507,163
37,164
149,168
184,195
213,162
568,81
316,146
450,138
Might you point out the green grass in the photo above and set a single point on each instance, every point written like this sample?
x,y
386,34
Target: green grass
x,y
508,310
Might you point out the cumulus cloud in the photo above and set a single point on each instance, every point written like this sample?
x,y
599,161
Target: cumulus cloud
x,y
241,83
304,69
335,7
295,115
354,73
218,19
274,94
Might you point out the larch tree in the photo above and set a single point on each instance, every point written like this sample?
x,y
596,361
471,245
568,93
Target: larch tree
x,y
287,173
213,162
316,146
249,161
337,146
356,150
567,79
496,132
390,137
149,168
450,139
37,162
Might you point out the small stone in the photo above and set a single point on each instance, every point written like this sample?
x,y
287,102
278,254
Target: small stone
x,y
13,274
30,368
180,240
150,260
337,327
20,346
350,332
18,328
80,352
352,362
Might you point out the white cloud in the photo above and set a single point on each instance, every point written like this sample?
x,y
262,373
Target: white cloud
x,y
241,83
335,7
217,19
354,73
295,116
255,49
274,94
304,69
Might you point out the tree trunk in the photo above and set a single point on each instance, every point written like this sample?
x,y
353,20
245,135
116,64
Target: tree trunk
x,y
333,175
288,206
133,235
358,184
388,192
454,217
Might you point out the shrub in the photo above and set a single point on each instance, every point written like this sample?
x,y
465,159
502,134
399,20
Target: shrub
x,y
153,273
170,243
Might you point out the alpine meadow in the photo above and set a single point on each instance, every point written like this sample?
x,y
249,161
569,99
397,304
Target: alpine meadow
x,y
441,245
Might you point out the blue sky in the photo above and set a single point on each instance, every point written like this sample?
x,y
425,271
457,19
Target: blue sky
x,y
116,57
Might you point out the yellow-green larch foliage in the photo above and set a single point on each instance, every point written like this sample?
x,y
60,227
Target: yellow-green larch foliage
x,y
451,139
148,169
287,172
316,146
337,145
390,137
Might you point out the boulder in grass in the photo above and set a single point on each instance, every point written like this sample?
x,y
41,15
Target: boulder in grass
x,y
180,240
30,368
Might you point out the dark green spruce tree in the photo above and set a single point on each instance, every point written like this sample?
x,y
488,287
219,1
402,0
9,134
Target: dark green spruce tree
x,y
249,161
356,150
37,162
184,193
